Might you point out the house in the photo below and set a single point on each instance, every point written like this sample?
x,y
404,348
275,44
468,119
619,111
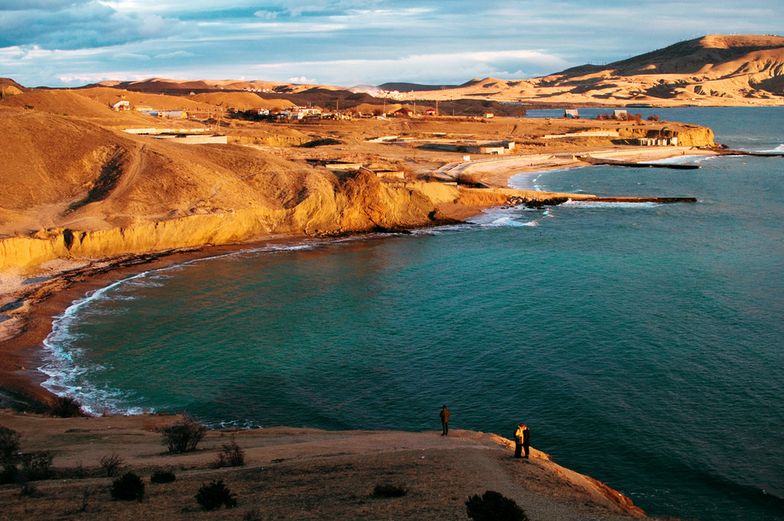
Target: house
x,y
403,112
431,112
571,114
122,106
620,114
489,115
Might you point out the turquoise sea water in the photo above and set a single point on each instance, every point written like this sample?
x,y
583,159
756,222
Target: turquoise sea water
x,y
643,344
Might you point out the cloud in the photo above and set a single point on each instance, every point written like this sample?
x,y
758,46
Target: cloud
x,y
302,79
436,67
77,25
350,41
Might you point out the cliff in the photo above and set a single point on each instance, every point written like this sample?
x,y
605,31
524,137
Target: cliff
x,y
301,474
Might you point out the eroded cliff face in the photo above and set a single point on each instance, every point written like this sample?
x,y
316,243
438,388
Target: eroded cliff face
x,y
688,135
362,203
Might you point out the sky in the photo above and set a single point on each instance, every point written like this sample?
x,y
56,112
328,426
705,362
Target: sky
x,y
348,42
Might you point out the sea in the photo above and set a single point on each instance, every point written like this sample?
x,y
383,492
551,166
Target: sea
x,y
642,343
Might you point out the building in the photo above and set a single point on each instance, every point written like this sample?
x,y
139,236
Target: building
x,y
431,112
489,115
571,114
620,114
122,106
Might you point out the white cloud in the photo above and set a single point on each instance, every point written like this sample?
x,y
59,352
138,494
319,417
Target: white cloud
x,y
302,79
437,67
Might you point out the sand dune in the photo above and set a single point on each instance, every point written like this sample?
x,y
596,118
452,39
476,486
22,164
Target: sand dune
x,y
712,70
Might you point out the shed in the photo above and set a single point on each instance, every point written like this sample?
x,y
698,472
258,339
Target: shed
x,y
571,114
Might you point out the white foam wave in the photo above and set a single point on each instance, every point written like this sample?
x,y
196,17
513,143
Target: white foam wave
x,y
779,149
681,160
598,204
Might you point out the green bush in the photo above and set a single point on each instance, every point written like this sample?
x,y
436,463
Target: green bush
x,y
128,487
162,476
212,496
389,491
231,455
183,436
492,506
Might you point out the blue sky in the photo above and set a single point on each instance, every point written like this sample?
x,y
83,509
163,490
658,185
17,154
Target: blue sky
x,y
347,42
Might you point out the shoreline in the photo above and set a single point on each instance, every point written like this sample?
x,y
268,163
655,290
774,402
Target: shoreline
x,y
32,308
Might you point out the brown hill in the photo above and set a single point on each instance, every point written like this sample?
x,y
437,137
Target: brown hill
x,y
71,103
109,95
712,70
241,100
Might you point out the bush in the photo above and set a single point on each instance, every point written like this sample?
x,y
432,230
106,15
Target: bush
x,y
183,436
231,455
128,487
389,491
111,464
492,506
212,496
9,448
27,489
162,476
66,407
37,465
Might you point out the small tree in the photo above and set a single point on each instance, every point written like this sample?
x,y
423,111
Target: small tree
x,y
36,465
231,455
183,436
128,487
492,506
212,496
111,464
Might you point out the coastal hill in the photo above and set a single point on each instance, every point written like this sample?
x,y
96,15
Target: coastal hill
x,y
712,70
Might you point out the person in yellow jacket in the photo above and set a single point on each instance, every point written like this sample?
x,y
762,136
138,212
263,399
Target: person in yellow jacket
x,y
522,438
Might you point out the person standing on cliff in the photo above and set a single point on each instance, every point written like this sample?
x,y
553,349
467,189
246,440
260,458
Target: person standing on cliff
x,y
526,440
519,435
444,420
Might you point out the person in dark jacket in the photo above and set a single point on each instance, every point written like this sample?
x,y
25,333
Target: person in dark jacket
x,y
526,440
444,420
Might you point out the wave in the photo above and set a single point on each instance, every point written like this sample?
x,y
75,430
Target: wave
x,y
598,204
777,150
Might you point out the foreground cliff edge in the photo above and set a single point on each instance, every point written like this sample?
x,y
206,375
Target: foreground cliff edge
x,y
298,474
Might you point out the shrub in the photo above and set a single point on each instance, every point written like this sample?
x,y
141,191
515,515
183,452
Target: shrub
x,y
9,448
183,436
128,487
231,455
162,476
212,496
492,506
66,407
389,491
37,465
252,515
111,464
27,489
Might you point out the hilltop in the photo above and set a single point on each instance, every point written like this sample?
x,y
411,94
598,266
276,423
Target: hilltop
x,y
712,70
